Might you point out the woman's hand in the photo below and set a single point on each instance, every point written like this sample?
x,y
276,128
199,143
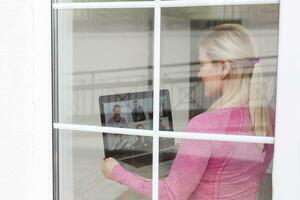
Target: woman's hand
x,y
107,165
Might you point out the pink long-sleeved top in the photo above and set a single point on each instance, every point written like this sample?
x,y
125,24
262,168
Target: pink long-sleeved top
x,y
210,170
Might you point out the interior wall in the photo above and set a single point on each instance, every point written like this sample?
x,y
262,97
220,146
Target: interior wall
x,y
25,103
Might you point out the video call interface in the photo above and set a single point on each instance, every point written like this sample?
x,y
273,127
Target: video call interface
x,y
133,111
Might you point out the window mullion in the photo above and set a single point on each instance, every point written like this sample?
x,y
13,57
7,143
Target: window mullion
x,y
151,4
156,99
103,5
167,134
189,3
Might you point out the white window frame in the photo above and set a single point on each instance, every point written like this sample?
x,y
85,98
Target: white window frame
x,y
286,173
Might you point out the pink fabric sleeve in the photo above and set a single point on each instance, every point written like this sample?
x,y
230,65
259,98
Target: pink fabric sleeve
x,y
184,176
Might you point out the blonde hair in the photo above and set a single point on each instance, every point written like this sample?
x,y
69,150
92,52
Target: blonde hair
x,y
234,43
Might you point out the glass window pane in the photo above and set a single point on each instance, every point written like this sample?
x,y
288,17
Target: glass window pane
x,y
208,170
218,170
221,62
103,56
80,166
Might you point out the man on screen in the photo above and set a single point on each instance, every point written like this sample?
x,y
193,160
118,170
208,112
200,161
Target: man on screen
x,y
117,141
117,120
137,113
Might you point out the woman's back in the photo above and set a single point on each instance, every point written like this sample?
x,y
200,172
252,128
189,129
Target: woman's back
x,y
210,170
235,170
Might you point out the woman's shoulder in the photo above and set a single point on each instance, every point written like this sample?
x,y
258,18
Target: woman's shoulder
x,y
218,119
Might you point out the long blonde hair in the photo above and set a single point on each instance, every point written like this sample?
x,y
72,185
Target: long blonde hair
x,y
234,43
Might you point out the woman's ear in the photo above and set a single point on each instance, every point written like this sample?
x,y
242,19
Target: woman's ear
x,y
225,67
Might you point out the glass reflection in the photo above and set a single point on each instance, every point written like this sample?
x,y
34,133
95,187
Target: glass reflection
x,y
205,170
102,52
217,57
80,176
219,170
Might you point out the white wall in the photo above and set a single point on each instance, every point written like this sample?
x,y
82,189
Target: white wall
x,y
25,103
286,181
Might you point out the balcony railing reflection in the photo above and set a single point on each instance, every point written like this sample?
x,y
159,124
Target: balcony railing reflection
x,y
181,80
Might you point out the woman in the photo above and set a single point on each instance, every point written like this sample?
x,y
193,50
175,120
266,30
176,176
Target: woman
x,y
206,170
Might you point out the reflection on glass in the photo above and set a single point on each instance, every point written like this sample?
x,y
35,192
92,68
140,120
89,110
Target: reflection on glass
x,y
219,170
221,57
134,110
80,159
102,52
208,170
